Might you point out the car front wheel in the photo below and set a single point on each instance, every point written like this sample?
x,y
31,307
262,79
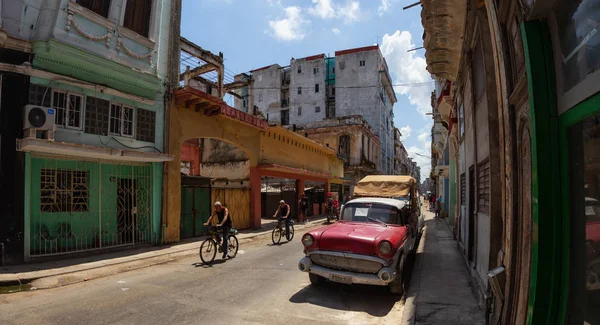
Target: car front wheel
x,y
397,286
315,279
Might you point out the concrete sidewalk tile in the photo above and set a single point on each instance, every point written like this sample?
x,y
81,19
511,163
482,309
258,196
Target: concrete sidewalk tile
x,y
440,290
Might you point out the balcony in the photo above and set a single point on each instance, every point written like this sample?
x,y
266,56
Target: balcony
x,y
285,103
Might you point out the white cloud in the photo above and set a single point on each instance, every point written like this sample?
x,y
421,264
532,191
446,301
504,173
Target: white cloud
x,y
384,7
408,68
335,30
290,28
405,131
274,2
323,9
350,12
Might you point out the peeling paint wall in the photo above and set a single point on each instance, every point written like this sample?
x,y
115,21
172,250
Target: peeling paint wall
x,y
312,73
217,151
266,92
234,170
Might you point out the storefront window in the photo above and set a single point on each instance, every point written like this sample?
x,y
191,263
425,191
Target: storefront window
x,y
584,157
579,32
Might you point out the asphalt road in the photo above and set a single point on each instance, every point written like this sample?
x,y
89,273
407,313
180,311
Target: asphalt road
x,y
262,285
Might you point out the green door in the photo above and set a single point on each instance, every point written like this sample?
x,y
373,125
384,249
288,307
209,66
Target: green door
x,y
187,212
202,207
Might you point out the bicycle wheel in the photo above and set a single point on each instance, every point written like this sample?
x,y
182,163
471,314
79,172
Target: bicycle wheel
x,y
232,246
276,235
208,251
291,232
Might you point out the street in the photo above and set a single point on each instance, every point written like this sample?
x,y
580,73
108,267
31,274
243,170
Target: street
x,y
262,285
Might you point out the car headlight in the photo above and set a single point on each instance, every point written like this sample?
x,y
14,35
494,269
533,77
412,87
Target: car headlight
x,y
385,248
307,240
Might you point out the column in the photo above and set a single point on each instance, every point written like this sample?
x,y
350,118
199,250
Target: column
x,y
255,200
299,192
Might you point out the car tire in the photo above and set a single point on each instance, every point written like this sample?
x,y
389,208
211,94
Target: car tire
x,y
396,287
315,279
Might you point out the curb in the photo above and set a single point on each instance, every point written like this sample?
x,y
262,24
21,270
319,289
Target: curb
x,y
94,272
410,305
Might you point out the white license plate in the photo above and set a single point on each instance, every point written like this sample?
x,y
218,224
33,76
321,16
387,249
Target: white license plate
x,y
341,279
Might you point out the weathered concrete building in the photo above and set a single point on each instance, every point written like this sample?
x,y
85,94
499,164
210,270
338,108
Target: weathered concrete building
x,y
516,124
316,88
356,145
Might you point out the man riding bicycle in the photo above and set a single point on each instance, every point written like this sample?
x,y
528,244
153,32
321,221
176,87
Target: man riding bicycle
x,y
283,212
224,222
330,206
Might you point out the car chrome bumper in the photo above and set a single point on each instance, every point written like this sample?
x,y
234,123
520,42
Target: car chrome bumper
x,y
384,277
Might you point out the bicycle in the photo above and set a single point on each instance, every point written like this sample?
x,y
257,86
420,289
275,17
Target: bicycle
x,y
209,247
331,214
279,231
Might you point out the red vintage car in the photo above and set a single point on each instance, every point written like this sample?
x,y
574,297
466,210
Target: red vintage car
x,y
369,245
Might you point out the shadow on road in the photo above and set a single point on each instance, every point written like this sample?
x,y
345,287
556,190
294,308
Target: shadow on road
x,y
280,243
373,300
215,262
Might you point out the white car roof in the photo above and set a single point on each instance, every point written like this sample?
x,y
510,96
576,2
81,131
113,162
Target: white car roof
x,y
391,202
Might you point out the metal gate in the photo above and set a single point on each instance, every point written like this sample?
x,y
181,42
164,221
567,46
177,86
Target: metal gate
x,y
85,205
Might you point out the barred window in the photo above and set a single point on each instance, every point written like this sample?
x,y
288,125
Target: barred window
x,y
463,188
483,188
145,125
63,190
121,120
68,108
97,113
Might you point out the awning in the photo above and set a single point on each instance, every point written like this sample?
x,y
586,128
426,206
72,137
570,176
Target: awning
x,y
47,147
294,173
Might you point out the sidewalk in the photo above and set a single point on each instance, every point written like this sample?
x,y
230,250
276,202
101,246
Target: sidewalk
x,y
72,270
440,288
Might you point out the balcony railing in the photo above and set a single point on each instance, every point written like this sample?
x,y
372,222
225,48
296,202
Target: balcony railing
x,y
284,103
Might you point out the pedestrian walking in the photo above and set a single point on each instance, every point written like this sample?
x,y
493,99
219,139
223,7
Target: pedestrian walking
x,y
432,204
303,204
438,207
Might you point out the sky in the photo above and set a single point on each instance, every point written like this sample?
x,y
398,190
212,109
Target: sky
x,y
257,33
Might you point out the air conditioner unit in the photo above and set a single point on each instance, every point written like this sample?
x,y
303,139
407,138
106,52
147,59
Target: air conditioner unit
x,y
39,118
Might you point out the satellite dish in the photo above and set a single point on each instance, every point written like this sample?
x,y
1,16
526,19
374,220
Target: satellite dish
x,y
37,117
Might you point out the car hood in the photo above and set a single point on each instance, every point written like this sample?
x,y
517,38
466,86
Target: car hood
x,y
357,238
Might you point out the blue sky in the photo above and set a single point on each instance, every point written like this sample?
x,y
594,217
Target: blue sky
x,y
256,33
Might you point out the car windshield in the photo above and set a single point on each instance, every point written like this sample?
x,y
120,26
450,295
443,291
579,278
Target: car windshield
x,y
366,212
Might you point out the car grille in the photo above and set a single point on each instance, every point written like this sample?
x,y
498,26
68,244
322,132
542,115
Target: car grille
x,y
342,263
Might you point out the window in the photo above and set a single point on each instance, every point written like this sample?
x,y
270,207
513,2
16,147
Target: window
x,y
145,127
36,95
137,16
371,212
315,70
361,63
63,190
121,120
244,103
299,68
333,91
68,108
97,115
344,147
483,187
333,70
584,216
260,97
299,111
285,117
579,37
98,6
316,88
342,65
317,109
463,188
299,90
